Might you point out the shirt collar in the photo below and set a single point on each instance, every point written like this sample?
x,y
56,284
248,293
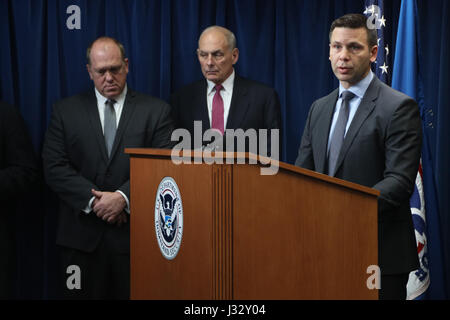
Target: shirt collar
x,y
119,99
227,84
360,88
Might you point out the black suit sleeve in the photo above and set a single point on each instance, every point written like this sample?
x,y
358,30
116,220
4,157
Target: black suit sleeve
x,y
163,128
272,120
160,130
273,112
305,158
59,172
18,166
402,151
173,101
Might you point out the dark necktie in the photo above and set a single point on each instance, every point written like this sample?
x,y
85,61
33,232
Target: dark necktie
x,y
339,132
217,110
110,124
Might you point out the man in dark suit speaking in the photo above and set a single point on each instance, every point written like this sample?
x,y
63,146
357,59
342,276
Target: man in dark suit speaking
x,y
224,100
85,165
367,133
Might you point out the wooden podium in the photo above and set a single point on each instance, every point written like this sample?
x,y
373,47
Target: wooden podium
x,y
294,235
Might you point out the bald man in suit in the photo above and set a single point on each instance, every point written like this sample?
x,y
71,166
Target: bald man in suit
x,y
247,104
85,165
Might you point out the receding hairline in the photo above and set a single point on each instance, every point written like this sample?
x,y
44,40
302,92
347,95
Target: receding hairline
x,y
106,40
229,36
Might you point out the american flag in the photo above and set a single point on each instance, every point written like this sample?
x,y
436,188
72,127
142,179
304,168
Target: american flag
x,y
419,280
374,10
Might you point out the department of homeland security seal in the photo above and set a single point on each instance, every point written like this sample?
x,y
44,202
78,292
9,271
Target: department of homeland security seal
x,y
168,218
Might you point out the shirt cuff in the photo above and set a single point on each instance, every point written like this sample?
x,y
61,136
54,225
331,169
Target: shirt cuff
x,y
127,208
88,208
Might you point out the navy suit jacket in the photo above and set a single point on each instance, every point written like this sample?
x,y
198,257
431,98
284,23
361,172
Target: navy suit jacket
x,y
76,161
381,150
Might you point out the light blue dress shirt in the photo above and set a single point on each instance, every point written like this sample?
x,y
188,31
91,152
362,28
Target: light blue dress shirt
x,y
359,90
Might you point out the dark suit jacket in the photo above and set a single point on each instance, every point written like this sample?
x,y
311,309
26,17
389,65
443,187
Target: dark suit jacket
x,y
381,150
76,161
18,174
253,105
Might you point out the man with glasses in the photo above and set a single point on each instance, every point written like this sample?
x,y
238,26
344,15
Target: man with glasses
x,y
224,100
85,165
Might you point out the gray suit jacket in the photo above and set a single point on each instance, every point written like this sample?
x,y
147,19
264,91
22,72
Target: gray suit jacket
x,y
381,150
76,161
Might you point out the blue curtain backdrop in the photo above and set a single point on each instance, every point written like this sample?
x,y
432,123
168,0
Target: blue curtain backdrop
x,y
283,43
434,63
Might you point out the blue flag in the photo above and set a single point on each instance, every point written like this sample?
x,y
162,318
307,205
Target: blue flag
x,y
406,78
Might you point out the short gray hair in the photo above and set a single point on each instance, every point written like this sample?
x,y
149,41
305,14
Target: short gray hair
x,y
231,39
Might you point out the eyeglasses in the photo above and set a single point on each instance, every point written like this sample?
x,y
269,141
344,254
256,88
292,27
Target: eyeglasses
x,y
112,70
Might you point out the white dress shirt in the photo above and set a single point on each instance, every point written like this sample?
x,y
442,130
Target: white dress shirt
x,y
226,93
118,106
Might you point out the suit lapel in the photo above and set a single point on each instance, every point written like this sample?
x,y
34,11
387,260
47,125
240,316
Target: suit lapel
x,y
200,104
364,110
323,125
94,120
239,104
127,112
